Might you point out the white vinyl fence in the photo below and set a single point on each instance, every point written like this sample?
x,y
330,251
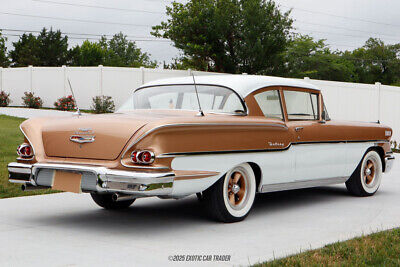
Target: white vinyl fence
x,y
345,101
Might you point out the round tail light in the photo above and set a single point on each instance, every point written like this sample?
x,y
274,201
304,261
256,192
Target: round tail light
x,y
147,157
25,151
143,157
134,157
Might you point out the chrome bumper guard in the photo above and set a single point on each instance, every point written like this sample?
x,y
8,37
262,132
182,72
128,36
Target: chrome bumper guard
x,y
389,160
96,179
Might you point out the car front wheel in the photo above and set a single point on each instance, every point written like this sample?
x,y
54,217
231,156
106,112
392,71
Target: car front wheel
x,y
231,197
366,179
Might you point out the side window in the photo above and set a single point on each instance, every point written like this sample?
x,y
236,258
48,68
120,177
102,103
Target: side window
x,y
301,105
270,104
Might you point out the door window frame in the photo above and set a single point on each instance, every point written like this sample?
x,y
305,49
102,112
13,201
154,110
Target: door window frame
x,y
305,90
258,110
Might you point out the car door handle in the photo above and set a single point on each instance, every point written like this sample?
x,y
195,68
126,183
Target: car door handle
x,y
298,129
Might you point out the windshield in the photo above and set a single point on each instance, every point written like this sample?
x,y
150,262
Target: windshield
x,y
212,99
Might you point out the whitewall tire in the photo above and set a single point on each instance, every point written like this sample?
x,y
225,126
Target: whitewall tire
x,y
230,199
366,179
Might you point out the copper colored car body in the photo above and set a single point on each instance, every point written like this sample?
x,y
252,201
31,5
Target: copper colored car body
x,y
258,134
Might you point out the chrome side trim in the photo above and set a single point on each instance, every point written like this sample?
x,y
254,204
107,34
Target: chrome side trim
x,y
27,138
194,124
266,188
180,154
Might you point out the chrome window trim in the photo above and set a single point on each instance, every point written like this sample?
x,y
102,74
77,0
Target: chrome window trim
x,y
204,84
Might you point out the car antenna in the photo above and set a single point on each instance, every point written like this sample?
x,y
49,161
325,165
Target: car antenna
x,y
78,111
201,113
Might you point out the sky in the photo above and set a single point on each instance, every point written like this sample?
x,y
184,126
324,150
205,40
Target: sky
x,y
345,24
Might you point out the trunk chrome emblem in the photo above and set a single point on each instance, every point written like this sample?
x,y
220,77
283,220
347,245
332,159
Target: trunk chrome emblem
x,y
82,139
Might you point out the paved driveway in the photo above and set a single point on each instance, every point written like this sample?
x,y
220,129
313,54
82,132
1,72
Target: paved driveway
x,y
68,229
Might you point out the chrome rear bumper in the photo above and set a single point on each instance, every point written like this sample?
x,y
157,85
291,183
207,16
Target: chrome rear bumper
x,y
95,179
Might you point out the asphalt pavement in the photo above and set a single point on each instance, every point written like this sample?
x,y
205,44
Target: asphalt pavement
x,y
70,230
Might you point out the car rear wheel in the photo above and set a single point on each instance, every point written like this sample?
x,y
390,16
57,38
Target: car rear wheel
x,y
231,197
106,201
366,179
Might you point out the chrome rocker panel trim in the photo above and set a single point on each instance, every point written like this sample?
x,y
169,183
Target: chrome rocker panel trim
x,y
302,184
108,180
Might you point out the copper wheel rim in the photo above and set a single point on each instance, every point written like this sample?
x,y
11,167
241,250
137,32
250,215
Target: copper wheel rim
x,y
236,188
369,172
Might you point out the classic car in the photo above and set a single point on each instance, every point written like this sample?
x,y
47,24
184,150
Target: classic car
x,y
222,137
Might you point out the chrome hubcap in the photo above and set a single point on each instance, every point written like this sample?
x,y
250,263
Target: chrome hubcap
x,y
235,188
369,172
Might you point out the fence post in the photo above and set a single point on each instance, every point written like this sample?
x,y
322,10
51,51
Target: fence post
x,y
142,74
378,90
64,70
1,78
101,79
30,68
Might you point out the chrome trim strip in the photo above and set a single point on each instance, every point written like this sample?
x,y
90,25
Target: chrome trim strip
x,y
195,124
180,154
27,138
82,139
99,170
198,175
17,181
22,159
266,188
19,170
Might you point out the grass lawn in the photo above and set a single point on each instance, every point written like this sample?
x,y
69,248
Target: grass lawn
x,y
380,249
10,138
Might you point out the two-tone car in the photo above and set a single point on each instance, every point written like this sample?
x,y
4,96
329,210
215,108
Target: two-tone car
x,y
222,137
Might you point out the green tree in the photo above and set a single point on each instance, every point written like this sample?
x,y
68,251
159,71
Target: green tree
x,y
53,48
4,60
228,35
49,48
377,62
314,59
88,54
25,52
121,52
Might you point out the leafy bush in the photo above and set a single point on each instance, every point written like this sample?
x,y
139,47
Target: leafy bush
x,y
103,104
4,99
65,103
31,101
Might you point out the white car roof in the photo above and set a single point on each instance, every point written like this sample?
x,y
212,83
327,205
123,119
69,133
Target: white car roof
x,y
242,84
